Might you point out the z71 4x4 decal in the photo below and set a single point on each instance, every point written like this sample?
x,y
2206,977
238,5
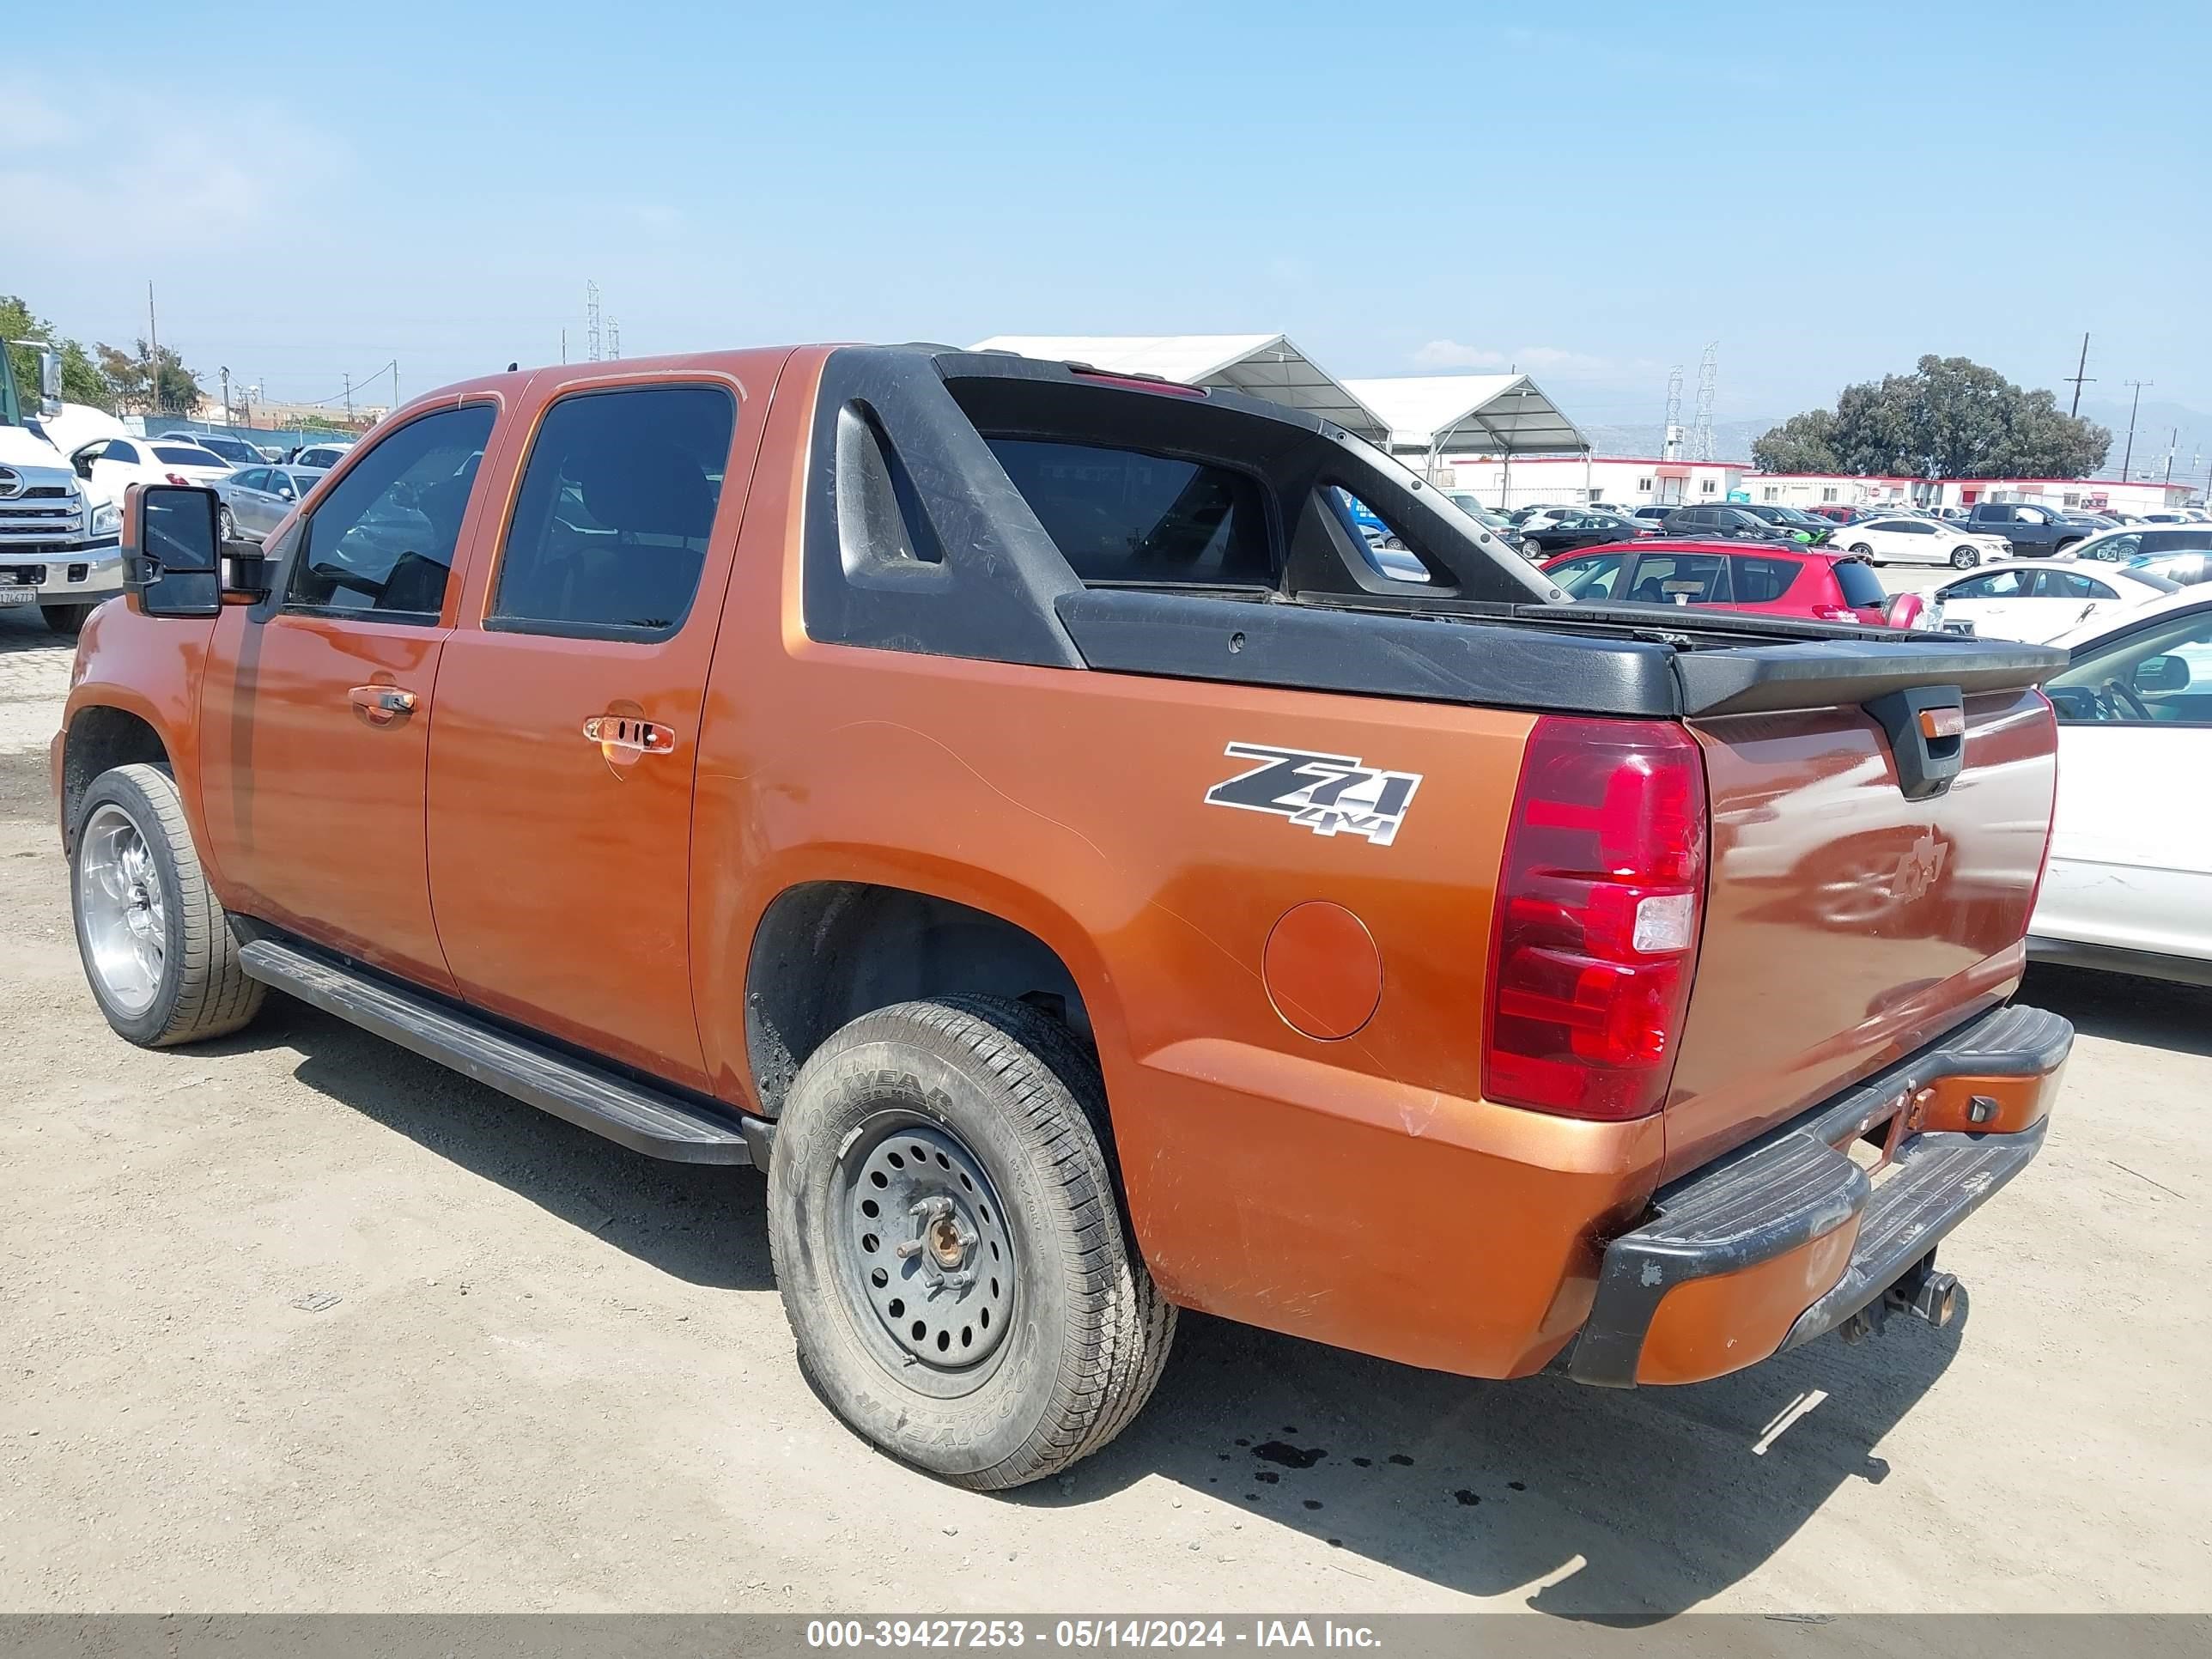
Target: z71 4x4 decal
x,y
1329,794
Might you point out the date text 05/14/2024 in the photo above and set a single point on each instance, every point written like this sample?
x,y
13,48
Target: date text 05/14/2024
x,y
900,1633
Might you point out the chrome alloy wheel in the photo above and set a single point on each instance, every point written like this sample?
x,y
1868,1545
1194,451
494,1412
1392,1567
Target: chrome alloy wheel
x,y
121,909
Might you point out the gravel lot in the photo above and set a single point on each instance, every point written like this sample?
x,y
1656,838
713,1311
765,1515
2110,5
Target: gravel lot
x,y
300,1322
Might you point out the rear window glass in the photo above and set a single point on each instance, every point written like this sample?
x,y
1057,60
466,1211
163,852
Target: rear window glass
x,y
1762,581
1860,585
186,455
1121,516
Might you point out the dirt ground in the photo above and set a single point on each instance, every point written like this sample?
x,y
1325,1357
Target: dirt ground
x,y
299,1322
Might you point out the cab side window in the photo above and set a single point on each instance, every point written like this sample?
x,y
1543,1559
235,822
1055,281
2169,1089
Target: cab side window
x,y
379,546
610,523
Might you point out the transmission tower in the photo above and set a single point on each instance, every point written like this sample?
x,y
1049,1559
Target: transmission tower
x,y
1670,435
592,320
1709,375
614,338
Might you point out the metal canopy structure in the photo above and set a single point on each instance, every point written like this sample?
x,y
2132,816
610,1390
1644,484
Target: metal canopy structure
x,y
1434,415
1261,365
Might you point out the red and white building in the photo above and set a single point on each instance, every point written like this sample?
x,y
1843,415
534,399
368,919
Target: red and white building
x,y
2092,495
1577,480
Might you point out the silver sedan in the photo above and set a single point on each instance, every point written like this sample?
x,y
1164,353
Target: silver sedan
x,y
255,499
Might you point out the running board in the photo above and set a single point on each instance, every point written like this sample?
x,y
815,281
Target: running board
x,y
654,1122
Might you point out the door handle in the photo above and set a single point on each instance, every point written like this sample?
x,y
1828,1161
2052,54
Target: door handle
x,y
381,705
627,736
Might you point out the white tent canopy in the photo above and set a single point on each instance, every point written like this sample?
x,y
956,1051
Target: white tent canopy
x,y
1487,414
1262,365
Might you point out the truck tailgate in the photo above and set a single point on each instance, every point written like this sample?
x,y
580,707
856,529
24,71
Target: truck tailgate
x,y
1846,925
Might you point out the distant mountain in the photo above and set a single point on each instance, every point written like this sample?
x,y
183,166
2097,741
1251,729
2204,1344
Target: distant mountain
x,y
1732,439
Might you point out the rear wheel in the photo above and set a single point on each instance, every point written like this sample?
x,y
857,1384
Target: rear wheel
x,y
226,526
1861,549
67,619
156,942
952,1256
1965,558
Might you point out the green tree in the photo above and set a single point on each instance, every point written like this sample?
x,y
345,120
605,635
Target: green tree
x,y
82,381
1950,418
1803,443
150,384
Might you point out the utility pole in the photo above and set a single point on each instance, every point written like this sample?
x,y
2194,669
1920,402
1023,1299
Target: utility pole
x,y
395,382
348,397
2080,373
226,396
153,357
2133,405
2173,439
564,346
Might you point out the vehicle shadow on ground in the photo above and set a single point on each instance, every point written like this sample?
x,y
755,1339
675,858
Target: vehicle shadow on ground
x,y
1596,1505
1609,1506
706,1226
2157,1013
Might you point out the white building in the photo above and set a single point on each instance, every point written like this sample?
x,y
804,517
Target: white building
x,y
2091,495
1504,482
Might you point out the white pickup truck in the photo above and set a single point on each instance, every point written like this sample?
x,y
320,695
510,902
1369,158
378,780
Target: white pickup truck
x,y
58,547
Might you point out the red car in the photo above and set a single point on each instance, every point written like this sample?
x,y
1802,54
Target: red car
x,y
1782,580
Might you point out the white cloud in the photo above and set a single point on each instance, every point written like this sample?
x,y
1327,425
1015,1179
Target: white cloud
x,y
1450,353
1555,361
154,187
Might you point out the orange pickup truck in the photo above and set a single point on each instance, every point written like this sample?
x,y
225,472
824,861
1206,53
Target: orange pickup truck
x,y
1010,804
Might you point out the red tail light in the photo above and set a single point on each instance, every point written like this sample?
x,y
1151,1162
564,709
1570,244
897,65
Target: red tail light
x,y
179,478
1598,910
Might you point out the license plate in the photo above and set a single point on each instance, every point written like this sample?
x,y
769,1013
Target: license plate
x,y
18,595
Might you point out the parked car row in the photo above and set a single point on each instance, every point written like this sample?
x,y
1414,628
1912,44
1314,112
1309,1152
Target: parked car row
x,y
1811,583
109,465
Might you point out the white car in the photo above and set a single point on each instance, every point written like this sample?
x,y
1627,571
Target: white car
x,y
1902,538
2129,882
1538,518
2036,600
108,465
235,451
2129,541
322,457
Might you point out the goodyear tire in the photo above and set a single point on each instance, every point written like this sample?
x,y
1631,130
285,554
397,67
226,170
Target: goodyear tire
x,y
953,1258
156,941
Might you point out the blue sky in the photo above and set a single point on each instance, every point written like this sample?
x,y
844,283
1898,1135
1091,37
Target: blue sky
x,y
1591,193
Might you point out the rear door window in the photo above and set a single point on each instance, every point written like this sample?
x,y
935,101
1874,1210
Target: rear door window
x,y
610,522
1680,578
1762,581
1123,517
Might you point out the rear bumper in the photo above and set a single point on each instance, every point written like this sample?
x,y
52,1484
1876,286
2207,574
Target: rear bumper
x,y
1787,1238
